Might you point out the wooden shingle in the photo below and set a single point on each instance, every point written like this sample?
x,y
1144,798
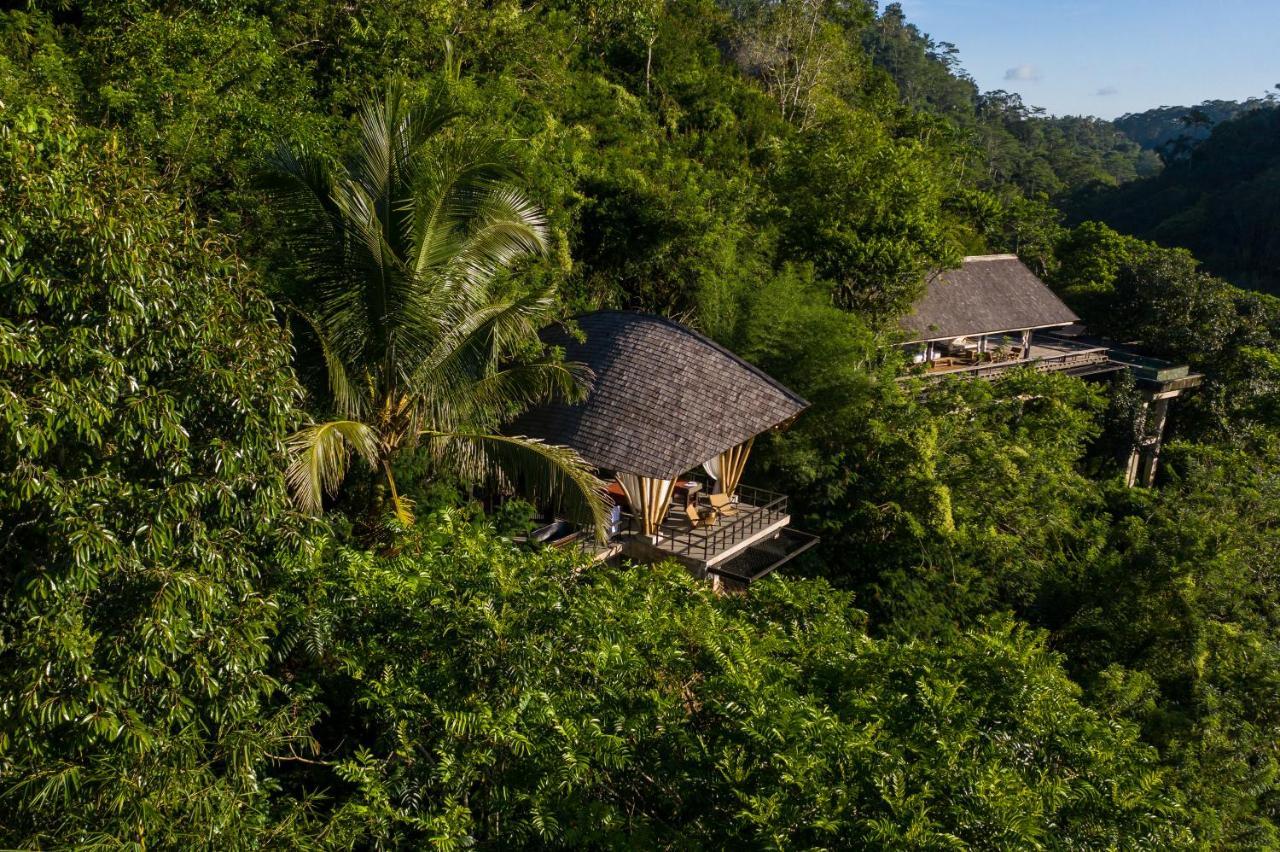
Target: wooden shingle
x,y
664,398
986,295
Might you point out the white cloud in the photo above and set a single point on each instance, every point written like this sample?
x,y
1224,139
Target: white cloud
x,y
1023,74
1107,91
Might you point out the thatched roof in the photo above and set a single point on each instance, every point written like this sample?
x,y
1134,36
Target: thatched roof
x,y
987,294
664,400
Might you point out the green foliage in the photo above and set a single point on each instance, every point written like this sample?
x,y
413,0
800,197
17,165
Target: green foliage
x,y
918,492
1180,611
926,72
494,696
204,92
876,228
945,504
400,264
1016,144
145,391
779,175
1162,300
1219,201
1174,131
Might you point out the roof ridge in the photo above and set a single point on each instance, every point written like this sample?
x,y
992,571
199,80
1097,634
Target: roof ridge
x,y
684,329
978,258
666,398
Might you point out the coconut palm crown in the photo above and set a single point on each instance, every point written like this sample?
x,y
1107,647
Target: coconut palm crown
x,y
400,255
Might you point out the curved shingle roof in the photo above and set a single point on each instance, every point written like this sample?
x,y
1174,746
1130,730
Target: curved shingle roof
x,y
664,400
986,294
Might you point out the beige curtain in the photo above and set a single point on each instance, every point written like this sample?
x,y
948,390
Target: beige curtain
x,y
729,466
649,498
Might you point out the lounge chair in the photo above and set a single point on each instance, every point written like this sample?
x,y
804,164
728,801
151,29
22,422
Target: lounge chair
x,y
723,504
700,517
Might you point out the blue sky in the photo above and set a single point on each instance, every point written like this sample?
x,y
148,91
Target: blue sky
x,y
1090,57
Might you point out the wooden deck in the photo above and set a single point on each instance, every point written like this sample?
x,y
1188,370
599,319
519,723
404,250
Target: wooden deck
x,y
1046,355
707,546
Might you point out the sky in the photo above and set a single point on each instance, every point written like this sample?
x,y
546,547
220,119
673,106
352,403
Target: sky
x,y
1091,57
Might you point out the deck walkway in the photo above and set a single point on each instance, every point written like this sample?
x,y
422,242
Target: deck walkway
x,y
1047,355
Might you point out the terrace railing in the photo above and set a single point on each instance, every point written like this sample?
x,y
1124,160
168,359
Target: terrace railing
x,y
757,510
1047,356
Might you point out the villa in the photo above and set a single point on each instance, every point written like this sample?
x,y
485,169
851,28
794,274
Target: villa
x,y
993,314
670,422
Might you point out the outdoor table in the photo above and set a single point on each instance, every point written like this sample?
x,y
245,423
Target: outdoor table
x,y
688,490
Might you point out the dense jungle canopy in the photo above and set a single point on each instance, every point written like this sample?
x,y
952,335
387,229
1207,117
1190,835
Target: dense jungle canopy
x,y
996,645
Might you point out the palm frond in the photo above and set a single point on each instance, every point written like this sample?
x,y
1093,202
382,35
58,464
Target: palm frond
x,y
504,394
404,247
320,456
298,183
453,189
379,201
373,163
543,472
506,226
371,263
477,340
448,383
346,395
520,386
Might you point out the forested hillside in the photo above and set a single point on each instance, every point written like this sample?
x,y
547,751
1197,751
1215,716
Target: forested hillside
x,y
1019,144
270,280
1220,200
1175,130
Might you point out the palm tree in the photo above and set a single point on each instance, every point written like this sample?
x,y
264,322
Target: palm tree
x,y
400,255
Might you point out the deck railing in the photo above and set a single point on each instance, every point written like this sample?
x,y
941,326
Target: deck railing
x,y
1054,355
757,509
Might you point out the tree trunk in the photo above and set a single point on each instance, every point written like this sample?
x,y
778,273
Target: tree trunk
x,y
648,64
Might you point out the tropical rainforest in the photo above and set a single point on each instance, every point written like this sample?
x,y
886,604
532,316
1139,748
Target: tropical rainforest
x,y
270,280
1217,197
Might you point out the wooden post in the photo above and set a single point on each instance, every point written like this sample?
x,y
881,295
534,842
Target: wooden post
x,y
1144,458
1131,467
1026,345
1151,452
732,463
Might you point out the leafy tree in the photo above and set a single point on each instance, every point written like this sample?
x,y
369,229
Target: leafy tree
x,y
1019,147
918,491
1161,300
1174,627
400,262
492,696
779,175
797,50
1182,127
1219,201
876,228
927,72
145,393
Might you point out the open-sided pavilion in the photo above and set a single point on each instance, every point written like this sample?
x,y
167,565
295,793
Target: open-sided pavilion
x,y
672,417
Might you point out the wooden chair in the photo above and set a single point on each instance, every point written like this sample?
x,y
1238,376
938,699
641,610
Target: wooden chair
x,y
723,504
699,517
